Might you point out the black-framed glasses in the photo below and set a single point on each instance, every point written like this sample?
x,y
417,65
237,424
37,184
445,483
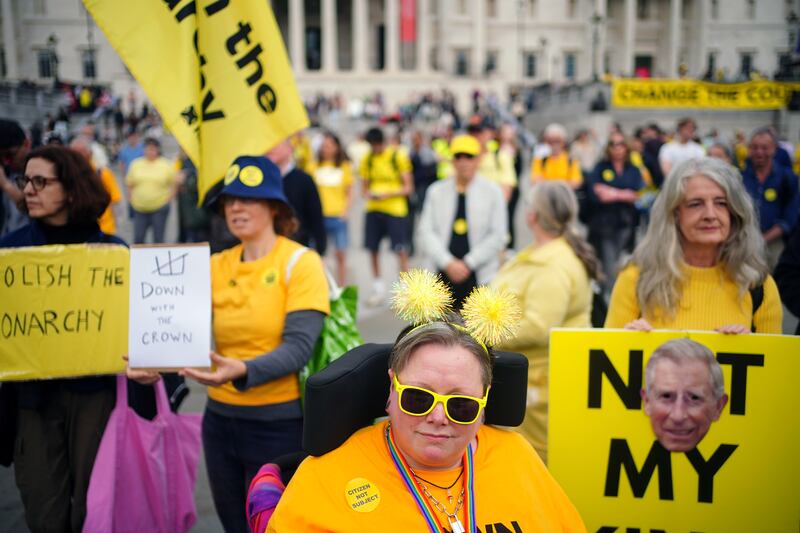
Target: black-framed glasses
x,y
463,156
38,182
459,408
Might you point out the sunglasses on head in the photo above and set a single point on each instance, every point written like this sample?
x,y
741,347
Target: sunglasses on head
x,y
416,401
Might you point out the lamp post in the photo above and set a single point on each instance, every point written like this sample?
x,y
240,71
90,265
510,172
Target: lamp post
x,y
595,20
787,68
545,59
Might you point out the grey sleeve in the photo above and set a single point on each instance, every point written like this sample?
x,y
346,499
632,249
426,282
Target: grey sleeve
x,y
300,332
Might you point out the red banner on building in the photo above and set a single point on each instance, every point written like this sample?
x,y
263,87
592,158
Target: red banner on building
x,y
408,21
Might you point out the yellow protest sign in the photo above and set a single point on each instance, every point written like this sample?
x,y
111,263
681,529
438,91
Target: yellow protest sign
x,y
655,93
217,72
744,475
64,311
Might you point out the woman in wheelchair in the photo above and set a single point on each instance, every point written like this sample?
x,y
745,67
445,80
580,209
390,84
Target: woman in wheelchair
x,y
433,465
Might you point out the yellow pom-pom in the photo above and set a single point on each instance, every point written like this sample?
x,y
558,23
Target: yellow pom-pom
x,y
420,296
491,316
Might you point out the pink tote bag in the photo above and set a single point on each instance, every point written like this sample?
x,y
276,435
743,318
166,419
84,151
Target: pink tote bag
x,y
145,470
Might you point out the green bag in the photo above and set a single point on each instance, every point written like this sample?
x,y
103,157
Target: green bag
x,y
339,331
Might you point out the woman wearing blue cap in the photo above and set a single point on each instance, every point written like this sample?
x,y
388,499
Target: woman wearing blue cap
x,y
269,298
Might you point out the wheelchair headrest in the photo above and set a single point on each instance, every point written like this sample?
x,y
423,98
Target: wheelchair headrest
x,y
351,393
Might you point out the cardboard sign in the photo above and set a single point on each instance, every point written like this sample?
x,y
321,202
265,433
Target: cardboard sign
x,y
63,311
744,475
170,307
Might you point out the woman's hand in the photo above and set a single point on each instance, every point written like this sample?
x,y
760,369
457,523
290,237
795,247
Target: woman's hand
x,y
733,329
143,377
640,324
225,370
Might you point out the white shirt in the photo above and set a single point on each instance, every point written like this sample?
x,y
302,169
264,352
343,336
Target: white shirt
x,y
675,152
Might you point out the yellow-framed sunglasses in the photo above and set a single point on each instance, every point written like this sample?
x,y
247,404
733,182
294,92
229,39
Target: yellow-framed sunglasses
x,y
459,408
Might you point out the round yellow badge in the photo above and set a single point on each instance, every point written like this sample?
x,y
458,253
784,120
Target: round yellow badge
x,y
608,175
362,495
270,276
770,195
251,176
231,174
460,226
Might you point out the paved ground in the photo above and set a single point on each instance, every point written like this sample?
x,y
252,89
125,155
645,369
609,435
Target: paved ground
x,y
377,324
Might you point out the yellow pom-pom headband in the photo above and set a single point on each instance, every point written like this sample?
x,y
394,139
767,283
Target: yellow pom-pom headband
x,y
490,316
420,296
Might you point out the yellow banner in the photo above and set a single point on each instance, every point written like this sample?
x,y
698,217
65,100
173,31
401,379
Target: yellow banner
x,y
654,93
743,476
217,72
64,311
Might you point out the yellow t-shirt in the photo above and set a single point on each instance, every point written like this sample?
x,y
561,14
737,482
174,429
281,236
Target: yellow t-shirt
x,y
385,176
512,488
558,167
498,166
250,301
151,183
106,220
333,184
710,299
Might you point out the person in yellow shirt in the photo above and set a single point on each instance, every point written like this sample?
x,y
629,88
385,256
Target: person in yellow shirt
x,y
107,220
269,298
701,263
386,182
495,165
334,178
434,466
557,165
551,279
152,185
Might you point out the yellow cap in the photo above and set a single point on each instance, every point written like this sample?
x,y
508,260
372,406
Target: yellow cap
x,y
465,144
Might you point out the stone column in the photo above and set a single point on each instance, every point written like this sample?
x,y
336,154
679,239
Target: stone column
x,y
330,53
479,19
392,35
423,37
360,40
444,8
601,8
629,37
673,52
297,37
699,56
9,42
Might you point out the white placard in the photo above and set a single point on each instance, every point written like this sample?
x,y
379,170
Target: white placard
x,y
170,307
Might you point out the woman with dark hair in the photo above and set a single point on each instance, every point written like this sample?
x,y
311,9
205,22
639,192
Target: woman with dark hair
x,y
334,178
59,422
269,299
613,188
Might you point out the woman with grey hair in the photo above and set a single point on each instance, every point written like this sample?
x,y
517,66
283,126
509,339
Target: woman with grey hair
x,y
551,280
701,264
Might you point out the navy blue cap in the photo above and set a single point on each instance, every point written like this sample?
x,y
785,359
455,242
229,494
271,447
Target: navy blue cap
x,y
252,176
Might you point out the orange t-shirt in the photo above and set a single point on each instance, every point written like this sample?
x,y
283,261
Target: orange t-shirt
x,y
250,301
106,220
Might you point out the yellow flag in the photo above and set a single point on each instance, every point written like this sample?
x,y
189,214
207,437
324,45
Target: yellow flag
x,y
216,70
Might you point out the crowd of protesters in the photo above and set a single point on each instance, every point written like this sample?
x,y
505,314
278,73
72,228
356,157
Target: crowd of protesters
x,y
658,226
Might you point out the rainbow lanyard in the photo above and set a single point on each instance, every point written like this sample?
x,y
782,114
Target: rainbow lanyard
x,y
422,502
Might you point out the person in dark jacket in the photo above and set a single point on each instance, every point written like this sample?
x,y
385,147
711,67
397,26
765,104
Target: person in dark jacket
x,y
303,196
60,421
613,188
787,276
